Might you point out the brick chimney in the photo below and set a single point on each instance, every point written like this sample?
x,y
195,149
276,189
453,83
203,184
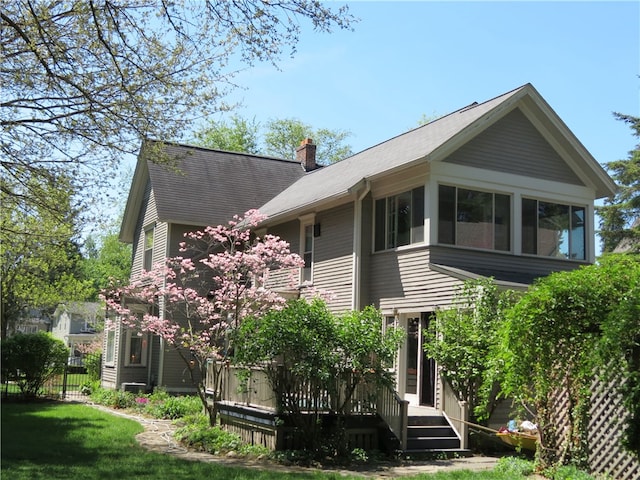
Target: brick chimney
x,y
306,155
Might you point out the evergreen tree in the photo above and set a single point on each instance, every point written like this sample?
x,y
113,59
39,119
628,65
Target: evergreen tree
x,y
620,214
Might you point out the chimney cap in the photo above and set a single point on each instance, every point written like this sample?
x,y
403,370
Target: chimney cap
x,y
306,141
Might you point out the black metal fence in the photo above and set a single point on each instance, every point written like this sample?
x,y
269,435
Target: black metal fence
x,y
69,384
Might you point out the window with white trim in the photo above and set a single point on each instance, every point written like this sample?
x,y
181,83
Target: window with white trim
x,y
136,349
553,229
474,218
110,348
148,249
399,219
307,251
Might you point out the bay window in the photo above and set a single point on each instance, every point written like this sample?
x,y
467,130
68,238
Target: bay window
x,y
473,218
553,229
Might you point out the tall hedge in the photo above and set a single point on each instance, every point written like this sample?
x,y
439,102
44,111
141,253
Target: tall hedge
x,y
32,359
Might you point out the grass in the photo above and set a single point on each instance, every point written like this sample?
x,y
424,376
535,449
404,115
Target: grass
x,y
53,440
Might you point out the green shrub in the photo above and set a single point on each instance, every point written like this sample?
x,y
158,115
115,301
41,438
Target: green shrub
x,y
514,467
173,407
568,472
195,432
113,398
32,359
90,386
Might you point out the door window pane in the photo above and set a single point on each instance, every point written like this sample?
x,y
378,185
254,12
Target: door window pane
x,y
413,326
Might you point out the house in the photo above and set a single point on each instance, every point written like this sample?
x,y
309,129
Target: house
x,y
177,189
77,324
31,320
500,188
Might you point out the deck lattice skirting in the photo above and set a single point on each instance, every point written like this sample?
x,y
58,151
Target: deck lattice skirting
x,y
607,416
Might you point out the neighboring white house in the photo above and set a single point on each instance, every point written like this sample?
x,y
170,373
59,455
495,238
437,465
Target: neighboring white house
x,y
76,323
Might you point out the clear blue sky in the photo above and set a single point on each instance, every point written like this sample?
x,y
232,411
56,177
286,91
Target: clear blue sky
x,y
406,59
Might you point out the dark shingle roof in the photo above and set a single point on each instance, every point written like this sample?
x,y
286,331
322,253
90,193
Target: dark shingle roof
x,y
425,143
204,186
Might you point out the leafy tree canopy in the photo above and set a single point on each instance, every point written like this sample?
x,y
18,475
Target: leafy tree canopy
x,y
278,138
107,263
84,82
40,255
303,347
463,337
620,214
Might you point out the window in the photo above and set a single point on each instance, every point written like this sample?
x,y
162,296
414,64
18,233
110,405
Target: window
x,y
307,252
110,349
400,219
472,218
148,249
553,229
136,351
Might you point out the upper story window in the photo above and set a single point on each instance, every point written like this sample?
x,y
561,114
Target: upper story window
x,y
553,229
472,218
307,240
400,219
148,249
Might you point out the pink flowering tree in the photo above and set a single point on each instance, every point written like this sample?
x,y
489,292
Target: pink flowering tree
x,y
196,302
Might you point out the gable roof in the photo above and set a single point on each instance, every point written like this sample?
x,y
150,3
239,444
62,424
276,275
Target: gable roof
x,y
201,186
433,142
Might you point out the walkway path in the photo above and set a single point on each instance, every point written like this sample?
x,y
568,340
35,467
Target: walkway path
x,y
158,437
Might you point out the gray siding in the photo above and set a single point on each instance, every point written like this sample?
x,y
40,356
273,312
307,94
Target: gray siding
x,y
289,232
514,145
148,215
175,374
154,361
176,236
333,256
403,280
506,267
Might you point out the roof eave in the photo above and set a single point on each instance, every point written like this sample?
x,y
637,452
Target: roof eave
x,y
134,200
294,213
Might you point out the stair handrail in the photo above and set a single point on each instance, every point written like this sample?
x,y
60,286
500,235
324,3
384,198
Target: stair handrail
x,y
394,411
456,412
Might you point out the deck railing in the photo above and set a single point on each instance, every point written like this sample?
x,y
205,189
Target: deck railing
x,y
251,387
395,412
456,411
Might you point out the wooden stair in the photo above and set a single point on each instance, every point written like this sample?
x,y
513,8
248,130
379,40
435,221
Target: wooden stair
x,y
432,434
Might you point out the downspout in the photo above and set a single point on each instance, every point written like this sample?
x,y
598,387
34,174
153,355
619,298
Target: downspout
x,y
357,247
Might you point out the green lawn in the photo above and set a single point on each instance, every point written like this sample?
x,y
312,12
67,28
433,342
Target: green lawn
x,y
69,441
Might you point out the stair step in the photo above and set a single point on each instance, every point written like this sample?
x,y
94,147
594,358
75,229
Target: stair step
x,y
430,431
433,443
427,420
